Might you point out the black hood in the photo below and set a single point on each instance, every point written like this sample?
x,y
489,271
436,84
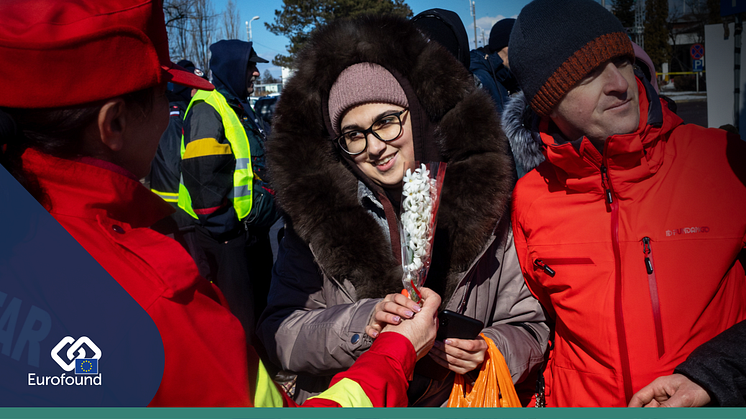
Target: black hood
x,y
446,28
453,121
228,63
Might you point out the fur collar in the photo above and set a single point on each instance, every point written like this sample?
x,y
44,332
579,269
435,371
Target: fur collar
x,y
317,189
520,123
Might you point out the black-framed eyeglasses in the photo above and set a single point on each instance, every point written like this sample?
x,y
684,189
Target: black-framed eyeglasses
x,y
386,128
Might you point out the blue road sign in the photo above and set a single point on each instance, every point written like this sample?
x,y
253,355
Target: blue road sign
x,y
698,65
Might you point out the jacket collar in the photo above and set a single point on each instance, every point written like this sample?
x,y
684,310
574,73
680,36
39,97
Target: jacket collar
x,y
640,153
243,109
634,156
91,190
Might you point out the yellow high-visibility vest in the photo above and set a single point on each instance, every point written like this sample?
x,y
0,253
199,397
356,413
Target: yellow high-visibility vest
x,y
243,175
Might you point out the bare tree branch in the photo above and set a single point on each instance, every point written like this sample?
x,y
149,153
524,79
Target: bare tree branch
x,y
203,24
231,25
191,26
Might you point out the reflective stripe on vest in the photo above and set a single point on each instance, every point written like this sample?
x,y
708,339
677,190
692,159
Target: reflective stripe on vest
x,y
266,392
167,196
347,393
243,176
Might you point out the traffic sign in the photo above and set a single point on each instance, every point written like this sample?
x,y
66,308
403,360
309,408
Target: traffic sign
x,y
698,65
697,51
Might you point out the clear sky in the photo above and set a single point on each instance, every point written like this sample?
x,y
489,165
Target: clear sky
x,y
267,45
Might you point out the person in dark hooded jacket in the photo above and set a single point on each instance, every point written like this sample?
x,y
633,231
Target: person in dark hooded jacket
x,y
223,183
164,171
338,275
446,28
490,64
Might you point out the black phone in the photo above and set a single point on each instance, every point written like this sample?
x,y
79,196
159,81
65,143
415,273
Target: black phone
x,y
455,325
450,325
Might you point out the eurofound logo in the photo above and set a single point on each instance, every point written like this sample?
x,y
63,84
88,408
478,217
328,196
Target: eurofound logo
x,y
78,359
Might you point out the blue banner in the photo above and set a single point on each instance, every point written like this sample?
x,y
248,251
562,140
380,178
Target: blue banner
x,y
61,314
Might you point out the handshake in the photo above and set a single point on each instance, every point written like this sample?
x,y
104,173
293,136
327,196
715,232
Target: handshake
x,y
417,323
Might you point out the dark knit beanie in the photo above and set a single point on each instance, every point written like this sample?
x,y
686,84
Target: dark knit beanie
x,y
556,43
500,34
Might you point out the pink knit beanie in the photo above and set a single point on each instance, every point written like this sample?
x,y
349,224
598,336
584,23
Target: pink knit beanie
x,y
363,83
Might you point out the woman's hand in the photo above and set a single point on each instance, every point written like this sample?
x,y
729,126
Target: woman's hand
x,y
423,327
391,310
460,355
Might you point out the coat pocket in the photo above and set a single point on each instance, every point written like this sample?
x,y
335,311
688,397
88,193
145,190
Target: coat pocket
x,y
647,250
549,265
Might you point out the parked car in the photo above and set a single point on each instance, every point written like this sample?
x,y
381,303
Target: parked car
x,y
265,109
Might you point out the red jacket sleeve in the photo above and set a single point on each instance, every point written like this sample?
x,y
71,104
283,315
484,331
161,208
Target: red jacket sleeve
x,y
382,373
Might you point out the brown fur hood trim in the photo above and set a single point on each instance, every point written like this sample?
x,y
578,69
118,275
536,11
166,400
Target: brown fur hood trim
x,y
317,189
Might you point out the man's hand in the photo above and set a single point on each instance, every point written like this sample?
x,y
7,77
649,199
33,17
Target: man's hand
x,y
671,391
460,355
422,328
391,310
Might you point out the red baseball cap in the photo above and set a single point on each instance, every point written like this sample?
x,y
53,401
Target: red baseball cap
x,y
67,52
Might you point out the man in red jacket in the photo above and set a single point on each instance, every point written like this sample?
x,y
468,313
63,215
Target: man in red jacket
x,y
629,230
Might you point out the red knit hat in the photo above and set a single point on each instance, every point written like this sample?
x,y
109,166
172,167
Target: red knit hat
x,y
66,52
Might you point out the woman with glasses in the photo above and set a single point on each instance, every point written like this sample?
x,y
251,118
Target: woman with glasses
x,y
370,97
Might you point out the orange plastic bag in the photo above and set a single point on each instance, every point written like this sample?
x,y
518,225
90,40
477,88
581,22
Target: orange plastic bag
x,y
493,388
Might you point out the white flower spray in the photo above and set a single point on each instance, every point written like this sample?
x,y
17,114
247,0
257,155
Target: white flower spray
x,y
420,197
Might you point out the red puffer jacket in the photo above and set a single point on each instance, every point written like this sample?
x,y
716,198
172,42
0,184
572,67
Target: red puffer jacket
x,y
207,362
633,253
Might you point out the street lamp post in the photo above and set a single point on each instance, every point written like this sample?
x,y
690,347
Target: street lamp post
x,y
473,7
248,27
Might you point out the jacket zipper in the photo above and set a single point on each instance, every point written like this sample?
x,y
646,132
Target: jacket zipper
x,y
605,184
543,264
619,312
544,267
654,296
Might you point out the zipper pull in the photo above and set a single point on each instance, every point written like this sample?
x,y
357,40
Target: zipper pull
x,y
646,250
605,183
544,267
